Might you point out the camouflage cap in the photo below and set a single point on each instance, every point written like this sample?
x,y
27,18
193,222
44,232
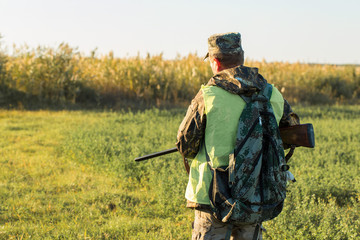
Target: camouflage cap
x,y
224,44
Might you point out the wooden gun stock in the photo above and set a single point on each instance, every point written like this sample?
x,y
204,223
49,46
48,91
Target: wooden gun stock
x,y
299,135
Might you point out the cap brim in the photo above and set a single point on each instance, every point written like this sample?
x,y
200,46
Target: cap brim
x,y
207,55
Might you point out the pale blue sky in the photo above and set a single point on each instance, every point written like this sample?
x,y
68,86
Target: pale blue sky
x,y
275,30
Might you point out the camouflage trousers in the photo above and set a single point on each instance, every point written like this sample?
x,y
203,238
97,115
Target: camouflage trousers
x,y
206,227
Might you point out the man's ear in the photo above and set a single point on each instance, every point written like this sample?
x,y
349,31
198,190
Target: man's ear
x,y
218,66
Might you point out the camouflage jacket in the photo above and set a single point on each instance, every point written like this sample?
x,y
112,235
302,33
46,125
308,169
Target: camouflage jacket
x,y
192,129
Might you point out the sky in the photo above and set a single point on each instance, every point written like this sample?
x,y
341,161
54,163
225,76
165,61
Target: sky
x,y
307,31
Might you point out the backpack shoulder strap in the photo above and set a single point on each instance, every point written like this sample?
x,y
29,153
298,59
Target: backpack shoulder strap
x,y
267,91
264,95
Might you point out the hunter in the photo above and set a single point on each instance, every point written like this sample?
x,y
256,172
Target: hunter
x,y
208,131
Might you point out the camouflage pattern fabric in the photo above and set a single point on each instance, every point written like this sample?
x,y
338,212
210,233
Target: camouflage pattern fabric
x,y
224,44
253,187
239,80
207,227
289,118
192,129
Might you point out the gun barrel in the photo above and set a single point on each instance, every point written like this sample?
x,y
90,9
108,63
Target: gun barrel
x,y
157,154
298,135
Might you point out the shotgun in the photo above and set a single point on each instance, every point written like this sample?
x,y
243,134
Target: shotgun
x,y
295,136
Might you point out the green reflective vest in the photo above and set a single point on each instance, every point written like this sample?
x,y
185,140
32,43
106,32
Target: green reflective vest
x,y
223,111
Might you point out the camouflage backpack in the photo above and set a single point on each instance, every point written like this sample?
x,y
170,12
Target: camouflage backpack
x,y
252,188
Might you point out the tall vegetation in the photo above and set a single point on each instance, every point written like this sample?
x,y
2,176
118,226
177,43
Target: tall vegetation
x,y
2,74
62,76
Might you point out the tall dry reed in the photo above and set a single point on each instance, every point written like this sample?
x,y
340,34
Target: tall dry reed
x,y
63,76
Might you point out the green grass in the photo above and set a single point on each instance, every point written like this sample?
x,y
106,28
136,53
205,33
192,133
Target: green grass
x,y
71,175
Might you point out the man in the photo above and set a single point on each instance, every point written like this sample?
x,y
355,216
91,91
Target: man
x,y
210,126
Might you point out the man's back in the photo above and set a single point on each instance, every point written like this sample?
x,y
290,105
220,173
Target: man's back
x,y
222,109
208,132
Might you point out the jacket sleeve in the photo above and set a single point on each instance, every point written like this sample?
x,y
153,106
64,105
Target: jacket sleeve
x,y
289,118
192,129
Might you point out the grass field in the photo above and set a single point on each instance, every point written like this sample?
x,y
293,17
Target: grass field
x,y
71,175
